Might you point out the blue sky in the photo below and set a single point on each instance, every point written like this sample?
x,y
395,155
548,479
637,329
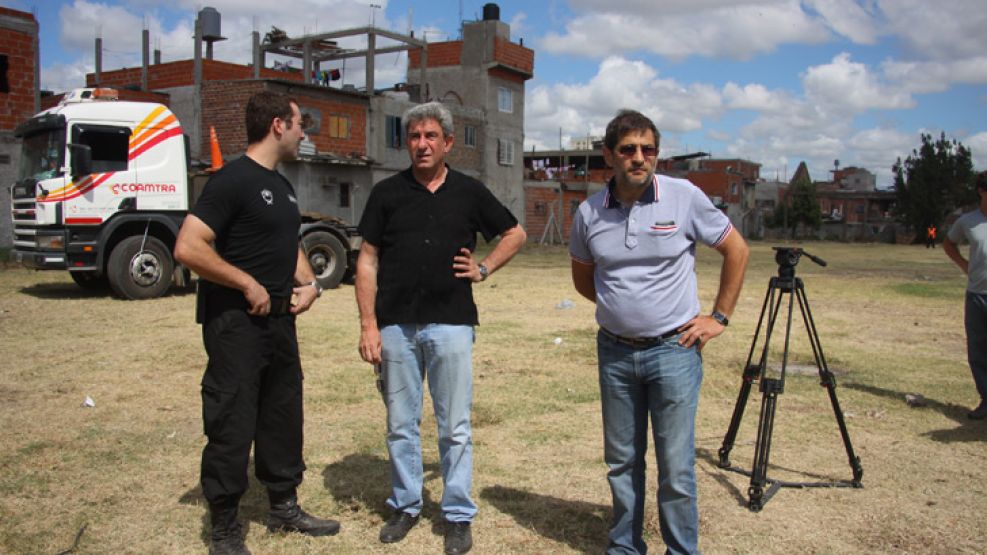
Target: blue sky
x,y
773,81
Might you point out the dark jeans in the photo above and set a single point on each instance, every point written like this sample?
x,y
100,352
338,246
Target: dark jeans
x,y
975,319
251,394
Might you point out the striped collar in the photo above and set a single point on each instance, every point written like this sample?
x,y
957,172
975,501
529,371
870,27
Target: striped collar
x,y
649,195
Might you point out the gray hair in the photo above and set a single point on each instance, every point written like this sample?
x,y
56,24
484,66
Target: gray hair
x,y
430,110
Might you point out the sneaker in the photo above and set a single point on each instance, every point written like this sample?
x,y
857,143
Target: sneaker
x,y
289,517
978,413
459,539
397,527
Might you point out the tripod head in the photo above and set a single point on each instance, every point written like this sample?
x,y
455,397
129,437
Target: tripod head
x,y
788,257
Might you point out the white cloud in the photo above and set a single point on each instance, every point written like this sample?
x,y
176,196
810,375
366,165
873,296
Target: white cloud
x,y
938,30
679,29
849,19
978,148
933,77
844,85
581,109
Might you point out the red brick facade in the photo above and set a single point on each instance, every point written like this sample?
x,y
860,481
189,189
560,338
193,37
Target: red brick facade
x,y
20,49
224,102
540,202
180,74
439,54
514,55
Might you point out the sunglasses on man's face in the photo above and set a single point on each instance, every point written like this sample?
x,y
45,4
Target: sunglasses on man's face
x,y
648,151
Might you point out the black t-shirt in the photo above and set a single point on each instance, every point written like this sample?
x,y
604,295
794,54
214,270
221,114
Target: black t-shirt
x,y
254,214
417,234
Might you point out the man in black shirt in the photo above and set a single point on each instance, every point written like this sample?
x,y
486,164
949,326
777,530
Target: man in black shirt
x,y
252,387
414,291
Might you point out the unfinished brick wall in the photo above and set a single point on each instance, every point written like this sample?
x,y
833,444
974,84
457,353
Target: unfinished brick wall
x,y
18,35
181,74
540,202
514,55
439,54
224,102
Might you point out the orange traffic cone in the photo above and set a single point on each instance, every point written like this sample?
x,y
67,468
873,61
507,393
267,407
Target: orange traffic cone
x,y
217,156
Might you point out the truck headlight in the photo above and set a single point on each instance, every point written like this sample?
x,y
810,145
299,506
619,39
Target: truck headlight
x,y
51,242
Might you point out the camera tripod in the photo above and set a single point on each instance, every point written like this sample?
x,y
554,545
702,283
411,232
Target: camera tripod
x,y
784,284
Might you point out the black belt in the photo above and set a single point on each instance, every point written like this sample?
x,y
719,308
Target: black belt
x,y
639,342
280,306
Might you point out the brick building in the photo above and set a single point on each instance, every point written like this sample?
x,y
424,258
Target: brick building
x,y
556,179
19,98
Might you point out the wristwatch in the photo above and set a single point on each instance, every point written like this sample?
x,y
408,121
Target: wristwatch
x,y
721,318
318,288
484,272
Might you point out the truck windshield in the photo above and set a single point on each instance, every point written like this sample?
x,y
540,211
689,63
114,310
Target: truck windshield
x,y
42,155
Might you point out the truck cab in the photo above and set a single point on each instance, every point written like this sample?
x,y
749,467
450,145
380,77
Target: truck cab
x,y
101,192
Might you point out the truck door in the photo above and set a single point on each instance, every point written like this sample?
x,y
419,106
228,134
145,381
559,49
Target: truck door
x,y
101,192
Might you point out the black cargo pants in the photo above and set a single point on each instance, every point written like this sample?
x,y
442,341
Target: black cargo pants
x,y
251,394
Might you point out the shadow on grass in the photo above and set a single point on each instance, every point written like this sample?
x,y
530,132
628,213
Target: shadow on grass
x,y
967,431
362,482
580,525
70,291
253,505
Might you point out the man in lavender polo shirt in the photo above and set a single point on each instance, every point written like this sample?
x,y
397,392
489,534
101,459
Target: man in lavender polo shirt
x,y
633,248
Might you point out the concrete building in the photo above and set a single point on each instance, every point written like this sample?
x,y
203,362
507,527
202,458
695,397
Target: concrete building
x,y
356,136
19,99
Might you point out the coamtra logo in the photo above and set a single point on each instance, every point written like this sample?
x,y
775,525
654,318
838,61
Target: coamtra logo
x,y
143,188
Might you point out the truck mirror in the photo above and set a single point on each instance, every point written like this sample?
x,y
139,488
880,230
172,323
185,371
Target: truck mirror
x,y
82,159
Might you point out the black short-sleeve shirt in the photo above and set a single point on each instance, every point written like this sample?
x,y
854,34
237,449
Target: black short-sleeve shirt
x,y
254,213
417,234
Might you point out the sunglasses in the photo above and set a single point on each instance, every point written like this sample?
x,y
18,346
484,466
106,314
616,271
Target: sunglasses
x,y
648,151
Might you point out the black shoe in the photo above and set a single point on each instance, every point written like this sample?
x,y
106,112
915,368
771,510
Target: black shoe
x,y
226,537
459,539
287,516
978,413
397,527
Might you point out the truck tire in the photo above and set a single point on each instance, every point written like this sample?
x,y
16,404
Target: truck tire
x,y
136,274
327,256
90,281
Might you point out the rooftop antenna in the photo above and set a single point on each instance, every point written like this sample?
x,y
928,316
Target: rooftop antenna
x,y
373,14
460,19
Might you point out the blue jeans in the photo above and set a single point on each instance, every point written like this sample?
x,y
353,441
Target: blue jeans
x,y
443,353
975,320
661,382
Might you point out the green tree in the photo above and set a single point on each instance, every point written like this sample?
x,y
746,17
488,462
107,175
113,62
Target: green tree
x,y
800,206
934,180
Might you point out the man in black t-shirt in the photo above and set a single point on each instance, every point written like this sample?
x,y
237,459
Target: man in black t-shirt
x,y
414,290
252,387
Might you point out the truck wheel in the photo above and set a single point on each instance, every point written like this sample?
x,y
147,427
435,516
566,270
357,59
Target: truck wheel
x,y
90,281
136,274
327,256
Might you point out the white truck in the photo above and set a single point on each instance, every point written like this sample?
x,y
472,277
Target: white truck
x,y
103,187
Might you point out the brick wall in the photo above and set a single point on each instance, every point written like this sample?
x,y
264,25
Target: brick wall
x,y
224,103
180,74
540,202
223,106
514,55
18,32
506,75
439,54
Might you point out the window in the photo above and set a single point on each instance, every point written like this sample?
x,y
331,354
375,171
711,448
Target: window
x,y
505,152
469,136
393,125
505,100
339,127
110,145
344,195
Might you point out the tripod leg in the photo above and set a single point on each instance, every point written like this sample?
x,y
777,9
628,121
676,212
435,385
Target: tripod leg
x,y
751,374
828,380
759,473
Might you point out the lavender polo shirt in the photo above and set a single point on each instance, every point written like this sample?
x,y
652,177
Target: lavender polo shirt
x,y
644,255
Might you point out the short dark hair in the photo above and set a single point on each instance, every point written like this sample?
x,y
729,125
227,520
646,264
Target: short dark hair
x,y
262,108
625,122
981,181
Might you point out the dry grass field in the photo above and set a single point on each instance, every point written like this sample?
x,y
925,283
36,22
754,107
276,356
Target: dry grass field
x,y
125,471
